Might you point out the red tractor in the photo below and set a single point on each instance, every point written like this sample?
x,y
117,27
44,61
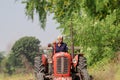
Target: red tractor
x,y
61,66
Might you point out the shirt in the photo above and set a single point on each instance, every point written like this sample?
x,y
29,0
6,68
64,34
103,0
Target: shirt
x,y
62,48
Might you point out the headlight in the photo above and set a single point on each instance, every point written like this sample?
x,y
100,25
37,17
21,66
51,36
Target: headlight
x,y
74,61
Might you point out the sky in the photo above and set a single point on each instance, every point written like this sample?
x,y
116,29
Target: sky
x,y
14,24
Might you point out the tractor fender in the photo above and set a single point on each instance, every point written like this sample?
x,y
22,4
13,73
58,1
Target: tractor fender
x,y
44,59
75,61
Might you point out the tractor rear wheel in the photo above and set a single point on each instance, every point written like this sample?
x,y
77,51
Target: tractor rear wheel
x,y
82,68
39,68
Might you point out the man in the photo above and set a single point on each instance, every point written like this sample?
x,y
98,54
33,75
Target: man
x,y
60,45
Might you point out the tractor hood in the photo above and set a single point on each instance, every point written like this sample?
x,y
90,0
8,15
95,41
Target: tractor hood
x,y
62,64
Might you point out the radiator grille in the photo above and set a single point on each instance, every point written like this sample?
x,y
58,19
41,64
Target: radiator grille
x,y
62,65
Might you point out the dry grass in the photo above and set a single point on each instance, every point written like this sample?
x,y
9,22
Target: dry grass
x,y
17,77
117,76
108,72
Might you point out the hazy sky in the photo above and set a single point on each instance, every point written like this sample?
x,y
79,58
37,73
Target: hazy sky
x,y
14,24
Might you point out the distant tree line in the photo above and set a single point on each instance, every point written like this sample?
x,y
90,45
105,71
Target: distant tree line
x,y
21,56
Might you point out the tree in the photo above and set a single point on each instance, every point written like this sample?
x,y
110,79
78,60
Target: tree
x,y
26,48
66,9
10,63
96,23
62,9
99,9
1,58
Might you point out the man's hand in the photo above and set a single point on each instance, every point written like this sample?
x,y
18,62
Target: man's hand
x,y
49,45
54,42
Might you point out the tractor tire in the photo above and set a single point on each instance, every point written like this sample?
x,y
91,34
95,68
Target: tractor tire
x,y
82,68
39,68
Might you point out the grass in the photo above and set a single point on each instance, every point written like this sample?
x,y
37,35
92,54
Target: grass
x,y
17,77
109,71
117,76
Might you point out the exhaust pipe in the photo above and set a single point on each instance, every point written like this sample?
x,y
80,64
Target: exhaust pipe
x,y
72,40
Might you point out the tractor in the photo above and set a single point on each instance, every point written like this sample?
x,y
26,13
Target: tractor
x,y
60,66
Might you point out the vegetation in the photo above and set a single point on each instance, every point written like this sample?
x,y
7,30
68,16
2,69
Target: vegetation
x,y
17,77
110,71
96,24
96,29
26,47
1,58
21,57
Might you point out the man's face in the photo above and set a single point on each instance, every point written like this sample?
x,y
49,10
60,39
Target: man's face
x,y
60,40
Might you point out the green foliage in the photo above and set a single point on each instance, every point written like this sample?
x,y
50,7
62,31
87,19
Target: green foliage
x,y
10,63
1,59
62,9
99,9
37,6
27,46
66,10
96,24
98,39
1,56
7,67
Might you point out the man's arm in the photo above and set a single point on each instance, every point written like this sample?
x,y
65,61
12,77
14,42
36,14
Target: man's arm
x,y
66,48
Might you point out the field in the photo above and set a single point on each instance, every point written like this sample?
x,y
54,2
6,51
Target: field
x,y
17,77
108,72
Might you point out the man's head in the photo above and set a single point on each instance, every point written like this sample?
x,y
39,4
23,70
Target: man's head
x,y
60,39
